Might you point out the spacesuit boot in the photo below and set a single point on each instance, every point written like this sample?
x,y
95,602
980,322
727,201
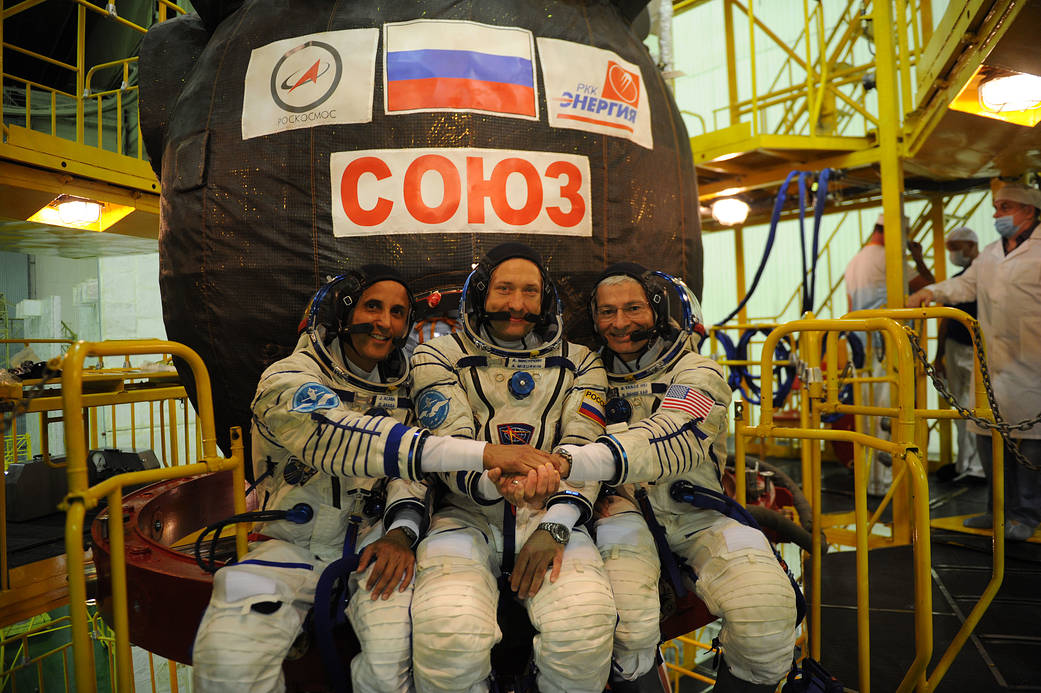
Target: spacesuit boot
x,y
726,682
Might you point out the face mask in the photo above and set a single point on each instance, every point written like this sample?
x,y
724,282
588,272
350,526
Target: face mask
x,y
958,257
1005,226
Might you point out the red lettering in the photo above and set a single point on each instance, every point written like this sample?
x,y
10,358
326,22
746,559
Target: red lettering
x,y
477,189
533,186
349,191
413,189
568,192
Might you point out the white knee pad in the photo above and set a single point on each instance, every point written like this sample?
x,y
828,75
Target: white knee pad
x,y
575,618
740,580
384,630
239,647
631,561
453,613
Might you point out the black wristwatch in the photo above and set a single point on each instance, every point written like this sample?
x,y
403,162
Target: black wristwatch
x,y
409,534
560,533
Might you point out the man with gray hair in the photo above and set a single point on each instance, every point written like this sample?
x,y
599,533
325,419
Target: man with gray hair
x,y
1006,282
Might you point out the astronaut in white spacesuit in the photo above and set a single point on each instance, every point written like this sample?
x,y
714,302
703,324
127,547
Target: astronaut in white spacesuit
x,y
327,419
510,376
667,427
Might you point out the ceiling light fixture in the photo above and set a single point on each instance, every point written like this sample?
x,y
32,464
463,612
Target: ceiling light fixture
x,y
1020,92
75,211
1001,94
730,211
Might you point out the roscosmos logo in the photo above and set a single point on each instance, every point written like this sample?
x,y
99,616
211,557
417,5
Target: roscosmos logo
x,y
306,76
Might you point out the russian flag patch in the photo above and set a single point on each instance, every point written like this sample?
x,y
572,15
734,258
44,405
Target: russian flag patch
x,y
592,407
452,65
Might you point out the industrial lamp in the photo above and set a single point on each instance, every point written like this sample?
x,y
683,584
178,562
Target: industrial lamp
x,y
1014,97
730,211
75,211
83,213
1019,92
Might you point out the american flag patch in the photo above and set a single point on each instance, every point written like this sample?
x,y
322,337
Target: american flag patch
x,y
689,400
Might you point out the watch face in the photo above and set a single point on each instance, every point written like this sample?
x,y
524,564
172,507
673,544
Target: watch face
x,y
559,532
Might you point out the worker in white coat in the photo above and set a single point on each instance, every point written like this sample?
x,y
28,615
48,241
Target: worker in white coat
x,y
1005,281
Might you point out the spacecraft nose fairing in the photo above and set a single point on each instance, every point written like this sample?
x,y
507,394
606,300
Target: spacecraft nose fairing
x,y
297,140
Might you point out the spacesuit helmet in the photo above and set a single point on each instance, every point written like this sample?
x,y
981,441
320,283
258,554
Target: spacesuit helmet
x,y
677,314
328,318
548,325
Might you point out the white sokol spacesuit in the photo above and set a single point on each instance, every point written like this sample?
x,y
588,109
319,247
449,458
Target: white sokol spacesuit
x,y
541,390
675,402
320,426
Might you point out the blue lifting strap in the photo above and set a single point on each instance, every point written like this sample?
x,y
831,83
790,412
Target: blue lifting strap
x,y
661,543
683,491
330,601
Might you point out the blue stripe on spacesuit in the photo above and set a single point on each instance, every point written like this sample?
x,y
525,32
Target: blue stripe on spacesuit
x,y
374,423
390,450
275,564
415,453
621,461
473,478
574,498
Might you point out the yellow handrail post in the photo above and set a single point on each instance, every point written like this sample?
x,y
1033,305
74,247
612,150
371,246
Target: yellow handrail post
x,y
860,479
813,390
76,471
121,619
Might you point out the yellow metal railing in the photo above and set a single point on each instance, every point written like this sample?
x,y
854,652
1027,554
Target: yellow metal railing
x,y
149,401
82,497
56,98
909,491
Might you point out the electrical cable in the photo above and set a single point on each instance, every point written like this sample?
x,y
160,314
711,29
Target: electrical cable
x,y
300,514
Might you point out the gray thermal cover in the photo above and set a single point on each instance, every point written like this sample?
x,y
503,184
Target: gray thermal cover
x,y
296,140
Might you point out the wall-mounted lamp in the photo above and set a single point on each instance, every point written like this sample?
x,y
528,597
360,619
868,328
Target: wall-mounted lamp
x,y
730,211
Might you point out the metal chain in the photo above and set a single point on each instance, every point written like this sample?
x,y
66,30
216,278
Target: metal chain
x,y
51,370
999,424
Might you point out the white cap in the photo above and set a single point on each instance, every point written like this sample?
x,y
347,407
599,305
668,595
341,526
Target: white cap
x,y
1014,192
963,233
881,221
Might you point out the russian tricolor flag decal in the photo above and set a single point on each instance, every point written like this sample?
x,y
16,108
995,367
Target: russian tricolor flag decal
x,y
449,65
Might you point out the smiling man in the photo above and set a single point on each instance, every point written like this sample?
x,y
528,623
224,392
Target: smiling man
x,y
326,420
509,376
667,426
